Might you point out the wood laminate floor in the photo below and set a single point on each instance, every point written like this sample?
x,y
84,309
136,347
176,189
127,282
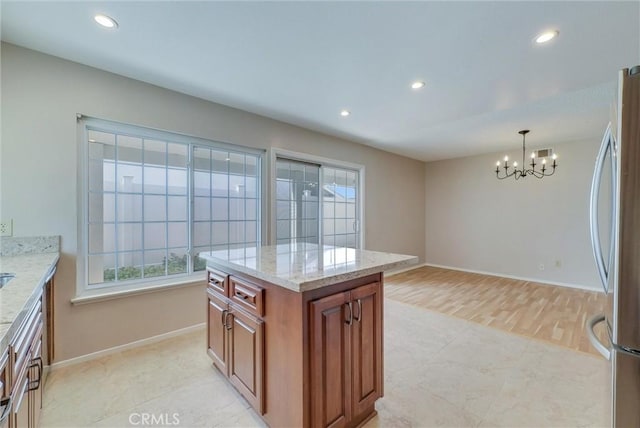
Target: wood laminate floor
x,y
550,313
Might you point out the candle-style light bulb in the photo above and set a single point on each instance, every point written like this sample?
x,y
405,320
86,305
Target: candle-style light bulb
x,y
554,157
515,164
544,161
506,158
533,155
498,163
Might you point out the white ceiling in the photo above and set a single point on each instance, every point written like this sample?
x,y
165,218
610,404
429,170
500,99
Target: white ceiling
x,y
302,62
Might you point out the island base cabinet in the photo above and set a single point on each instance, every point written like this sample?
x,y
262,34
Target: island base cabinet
x,y
366,347
236,345
216,331
330,355
307,359
246,353
346,356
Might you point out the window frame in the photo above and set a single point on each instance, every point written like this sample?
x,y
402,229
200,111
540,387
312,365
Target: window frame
x,y
275,153
84,290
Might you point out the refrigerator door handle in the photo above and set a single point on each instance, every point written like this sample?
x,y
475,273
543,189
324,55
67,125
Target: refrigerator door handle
x,y
593,211
591,323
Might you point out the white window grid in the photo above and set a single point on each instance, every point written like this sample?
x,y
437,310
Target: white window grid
x,y
186,249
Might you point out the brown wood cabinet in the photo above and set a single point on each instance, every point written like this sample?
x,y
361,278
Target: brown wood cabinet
x,y
5,387
22,363
27,368
246,356
304,359
346,355
235,336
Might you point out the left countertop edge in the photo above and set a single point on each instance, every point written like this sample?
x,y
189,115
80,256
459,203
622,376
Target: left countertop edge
x,y
37,289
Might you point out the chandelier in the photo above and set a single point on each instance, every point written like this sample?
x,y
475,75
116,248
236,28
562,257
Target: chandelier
x,y
521,173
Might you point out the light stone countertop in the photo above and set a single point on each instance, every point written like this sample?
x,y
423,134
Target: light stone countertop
x,y
302,267
19,294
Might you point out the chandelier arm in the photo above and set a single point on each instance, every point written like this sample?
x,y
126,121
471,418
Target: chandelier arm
x,y
506,175
537,174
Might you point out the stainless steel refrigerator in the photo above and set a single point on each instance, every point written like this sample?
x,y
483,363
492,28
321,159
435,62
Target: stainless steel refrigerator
x,y
615,236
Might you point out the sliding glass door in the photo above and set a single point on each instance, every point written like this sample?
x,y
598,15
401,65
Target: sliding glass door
x,y
340,207
317,204
297,217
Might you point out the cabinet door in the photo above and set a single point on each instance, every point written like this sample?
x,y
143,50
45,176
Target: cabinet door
x,y
20,398
216,332
330,356
36,384
5,390
246,356
366,346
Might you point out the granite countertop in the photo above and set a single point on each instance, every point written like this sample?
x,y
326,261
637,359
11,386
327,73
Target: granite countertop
x,y
302,267
19,294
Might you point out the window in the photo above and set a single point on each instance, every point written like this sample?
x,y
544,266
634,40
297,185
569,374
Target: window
x,y
317,201
154,200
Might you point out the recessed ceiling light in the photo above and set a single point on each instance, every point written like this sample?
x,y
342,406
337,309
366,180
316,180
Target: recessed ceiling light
x,y
547,36
345,113
106,21
417,85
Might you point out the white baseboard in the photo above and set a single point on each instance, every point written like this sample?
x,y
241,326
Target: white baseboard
x,y
404,269
521,278
131,345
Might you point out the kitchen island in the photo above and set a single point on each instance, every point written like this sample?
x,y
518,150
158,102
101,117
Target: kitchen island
x,y
297,330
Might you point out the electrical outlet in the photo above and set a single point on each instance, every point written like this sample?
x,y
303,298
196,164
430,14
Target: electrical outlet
x,y
6,228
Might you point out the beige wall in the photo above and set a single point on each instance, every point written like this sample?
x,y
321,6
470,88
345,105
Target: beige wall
x,y
508,227
41,95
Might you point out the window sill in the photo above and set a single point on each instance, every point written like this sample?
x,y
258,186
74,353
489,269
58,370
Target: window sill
x,y
95,296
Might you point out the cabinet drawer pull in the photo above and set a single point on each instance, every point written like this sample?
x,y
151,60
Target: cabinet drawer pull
x,y
349,320
359,317
242,295
6,402
37,363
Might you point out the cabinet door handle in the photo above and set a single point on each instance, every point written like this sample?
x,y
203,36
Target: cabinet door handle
x,y
349,320
6,402
359,317
227,326
223,320
37,363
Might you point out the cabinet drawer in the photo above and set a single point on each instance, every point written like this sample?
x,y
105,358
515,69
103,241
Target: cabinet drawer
x,y
246,294
19,347
217,280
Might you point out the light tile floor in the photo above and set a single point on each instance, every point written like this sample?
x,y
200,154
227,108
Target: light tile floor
x,y
439,371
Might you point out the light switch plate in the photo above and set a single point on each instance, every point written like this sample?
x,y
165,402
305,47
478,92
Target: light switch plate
x,y
6,228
